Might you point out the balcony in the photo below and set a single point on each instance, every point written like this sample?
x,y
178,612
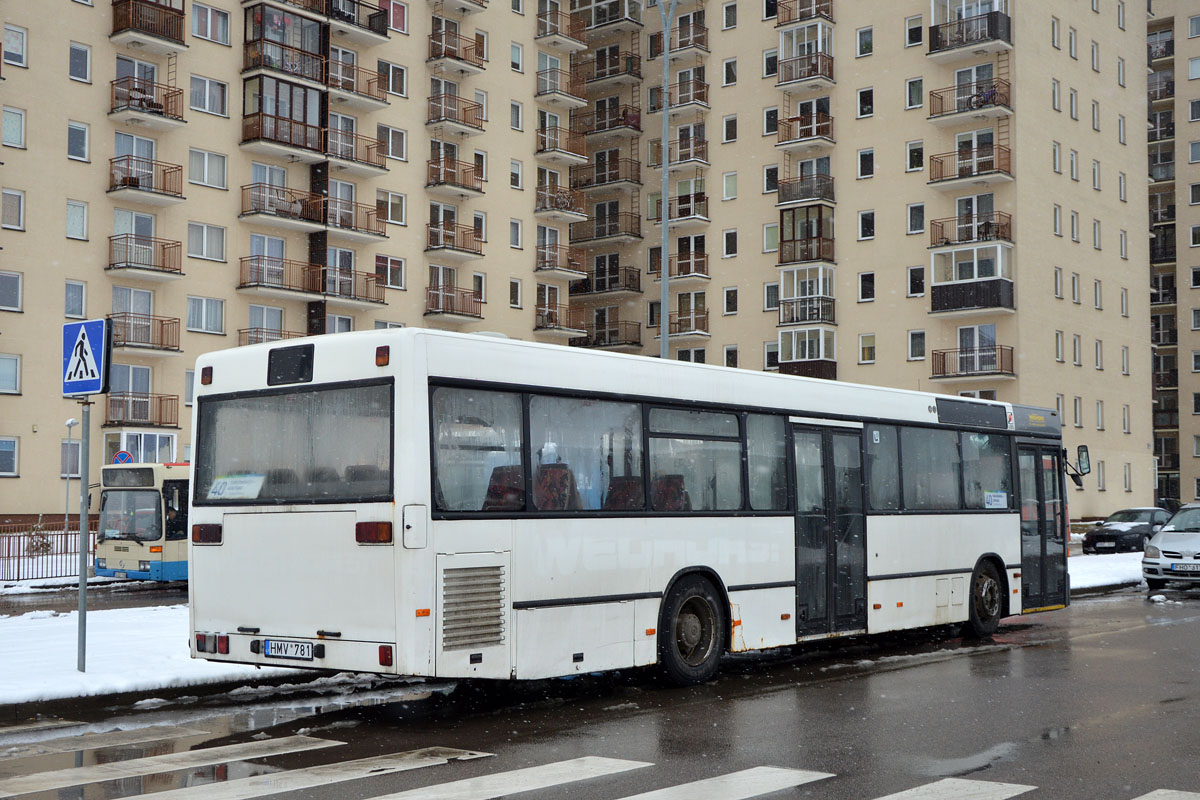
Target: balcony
x,y
977,101
453,304
280,207
1166,379
682,97
982,166
348,288
281,277
806,135
970,37
353,154
805,189
1163,295
612,16
353,87
619,228
609,175
1161,214
1166,420
1164,337
559,204
560,89
558,260
615,335
970,228
450,240
152,26
141,180
1162,248
687,41
1168,461
794,12
146,104
560,146
810,368
559,320
280,137
248,336
625,120
993,361
684,269
688,325
682,154
683,212
1160,50
622,69
354,221
455,52
458,6
454,179
619,282
144,334
144,257
1157,90
1163,132
965,298
141,409
263,54
807,73
803,310
1162,173
795,251
560,31
455,114
357,23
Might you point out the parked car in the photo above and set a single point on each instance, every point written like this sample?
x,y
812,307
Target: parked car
x,y
1173,554
1127,529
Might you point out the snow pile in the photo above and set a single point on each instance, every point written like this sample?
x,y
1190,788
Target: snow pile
x,y
1111,569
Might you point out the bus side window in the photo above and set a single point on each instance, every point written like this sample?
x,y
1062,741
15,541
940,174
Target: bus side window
x,y
477,450
766,461
883,468
931,469
987,471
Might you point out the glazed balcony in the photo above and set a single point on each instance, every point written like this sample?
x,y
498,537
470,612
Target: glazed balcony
x,y
621,227
280,137
976,362
1166,379
982,166
560,260
609,283
280,207
793,12
684,211
355,221
608,175
810,368
142,180
971,297
142,409
356,22
809,72
1161,213
805,135
612,16
1160,50
682,97
1163,295
458,6
805,189
1162,132
681,154
978,100
290,61
970,37
1162,173
1168,461
353,153
449,177
684,269
151,26
687,325
248,336
1166,420
354,87
560,146
145,334
147,104
794,251
622,69
560,31
559,204
686,41
1157,90
803,310
144,256
451,240
615,335
455,114
625,120
560,89
559,319
455,52
970,228
453,304
1164,337
1162,248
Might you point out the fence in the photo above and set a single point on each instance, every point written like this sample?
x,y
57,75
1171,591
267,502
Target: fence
x,y
27,554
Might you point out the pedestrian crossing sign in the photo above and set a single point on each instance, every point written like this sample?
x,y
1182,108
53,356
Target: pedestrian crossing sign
x,y
86,348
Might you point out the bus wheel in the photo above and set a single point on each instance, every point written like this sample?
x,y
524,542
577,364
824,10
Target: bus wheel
x,y
986,602
691,631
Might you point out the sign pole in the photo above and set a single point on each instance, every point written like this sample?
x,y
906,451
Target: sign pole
x,y
84,439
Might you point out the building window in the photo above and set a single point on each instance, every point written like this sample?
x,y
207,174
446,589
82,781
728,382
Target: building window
x,y
1096,234
1072,43
10,291
1075,226
729,186
731,355
517,57
14,127
1120,128
1121,187
866,103
77,141
1124,302
916,345
1100,475
79,63
209,96
1056,218
1099,415
1055,41
1055,95
514,233
1095,57
1073,160
210,23
206,241
338,323
76,220
1095,115
771,237
770,296
771,356
189,386
729,72
866,287
729,128
1128,472
1073,103
1097,287
1099,354
866,348
516,174
914,94
394,77
729,243
731,300
8,445
866,163
916,218
1077,411
391,207
770,178
866,42
770,9
1056,157
1125,418
729,16
74,299
1059,354
1123,238
397,14
866,225
479,286
393,141
1120,71
770,121
68,458
514,293
1075,287
206,169
1058,282
389,271
914,32
12,209
915,156
1095,175
770,63
14,46
916,281
516,116
206,314
1077,350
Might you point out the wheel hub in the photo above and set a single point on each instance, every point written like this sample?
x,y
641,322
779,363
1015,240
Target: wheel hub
x,y
989,596
689,628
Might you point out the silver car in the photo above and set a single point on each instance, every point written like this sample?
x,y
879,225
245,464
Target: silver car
x,y
1174,552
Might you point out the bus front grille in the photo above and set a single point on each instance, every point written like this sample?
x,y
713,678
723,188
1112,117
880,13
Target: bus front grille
x,y
472,607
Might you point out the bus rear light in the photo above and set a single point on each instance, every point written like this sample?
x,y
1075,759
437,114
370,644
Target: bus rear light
x,y
223,644
383,354
206,534
156,549
373,533
206,376
385,655
206,643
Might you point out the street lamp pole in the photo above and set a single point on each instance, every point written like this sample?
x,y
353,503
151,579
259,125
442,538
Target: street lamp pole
x,y
667,13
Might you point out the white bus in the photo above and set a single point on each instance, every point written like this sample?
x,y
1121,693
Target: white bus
x,y
427,503
143,529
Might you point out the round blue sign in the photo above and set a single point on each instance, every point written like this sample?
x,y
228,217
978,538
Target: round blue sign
x,y
123,457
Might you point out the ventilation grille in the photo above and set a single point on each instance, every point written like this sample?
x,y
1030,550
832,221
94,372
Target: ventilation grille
x,y
472,607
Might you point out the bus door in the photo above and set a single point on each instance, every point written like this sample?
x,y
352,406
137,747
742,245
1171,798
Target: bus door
x,y
831,564
1043,527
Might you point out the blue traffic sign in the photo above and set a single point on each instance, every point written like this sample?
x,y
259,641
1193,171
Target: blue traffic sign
x,y
123,457
85,356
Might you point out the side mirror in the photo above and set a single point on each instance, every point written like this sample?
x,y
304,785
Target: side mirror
x,y
1156,528
1082,460
1077,480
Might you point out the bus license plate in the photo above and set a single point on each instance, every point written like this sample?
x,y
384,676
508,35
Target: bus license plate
x,y
275,648
120,575
1185,567
1106,544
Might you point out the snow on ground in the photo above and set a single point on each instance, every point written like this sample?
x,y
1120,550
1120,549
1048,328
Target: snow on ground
x,y
1107,570
42,585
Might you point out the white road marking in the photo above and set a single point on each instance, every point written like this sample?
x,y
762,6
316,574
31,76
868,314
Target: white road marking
x,y
92,741
168,762
959,789
323,775
1169,794
736,785
502,784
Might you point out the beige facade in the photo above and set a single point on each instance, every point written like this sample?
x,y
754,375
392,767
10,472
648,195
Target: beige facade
x,y
907,193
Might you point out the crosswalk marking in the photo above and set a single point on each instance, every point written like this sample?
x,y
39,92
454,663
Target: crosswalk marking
x,y
736,785
323,775
60,779
1169,794
92,741
959,789
502,784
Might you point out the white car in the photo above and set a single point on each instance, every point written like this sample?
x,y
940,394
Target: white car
x,y
1174,552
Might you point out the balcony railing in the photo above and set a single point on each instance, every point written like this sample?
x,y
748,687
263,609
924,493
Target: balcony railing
x,y
682,265
452,300
605,66
1161,214
994,359
352,78
970,228
807,126
561,140
806,187
1161,132
1164,336
817,248
279,273
622,223
682,38
454,237
559,23
586,176
800,310
617,333
143,252
690,322
793,11
558,257
1160,90
990,27
682,207
680,94
452,108
1166,419
970,163
164,19
357,217
263,198
141,408
625,116
802,68
367,16
558,317
449,172
825,368
559,198
260,335
627,279
1166,379
353,147
969,97
1168,461
447,44
349,284
1162,172
143,330
281,130
1163,49
559,81
131,172
135,94
1159,296
971,295
678,151
1162,249
266,54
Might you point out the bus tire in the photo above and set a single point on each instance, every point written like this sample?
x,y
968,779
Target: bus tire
x,y
987,602
691,633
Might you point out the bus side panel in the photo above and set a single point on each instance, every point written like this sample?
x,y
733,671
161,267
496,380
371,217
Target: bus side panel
x,y
605,644
762,618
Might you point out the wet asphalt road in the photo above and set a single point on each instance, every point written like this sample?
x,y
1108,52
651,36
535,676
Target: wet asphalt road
x,y
1098,701
114,595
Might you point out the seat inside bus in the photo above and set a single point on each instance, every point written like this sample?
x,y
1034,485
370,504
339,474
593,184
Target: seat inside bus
x,y
554,488
506,489
667,493
625,493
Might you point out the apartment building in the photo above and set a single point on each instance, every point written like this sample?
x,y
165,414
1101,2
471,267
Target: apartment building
x,y
484,166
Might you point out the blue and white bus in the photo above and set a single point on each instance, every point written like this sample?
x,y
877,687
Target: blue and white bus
x,y
143,522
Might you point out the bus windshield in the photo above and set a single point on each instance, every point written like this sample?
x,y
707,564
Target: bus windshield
x,y
311,445
128,514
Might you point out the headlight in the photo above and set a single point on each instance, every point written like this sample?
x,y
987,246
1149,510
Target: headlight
x,y
102,563
1152,552
143,566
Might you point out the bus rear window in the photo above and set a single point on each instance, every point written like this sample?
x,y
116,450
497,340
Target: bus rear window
x,y
319,445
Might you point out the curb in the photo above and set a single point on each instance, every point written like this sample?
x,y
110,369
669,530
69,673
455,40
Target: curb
x,y
1105,589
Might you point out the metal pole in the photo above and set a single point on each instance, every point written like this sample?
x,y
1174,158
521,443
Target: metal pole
x,y
67,503
84,438
664,329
